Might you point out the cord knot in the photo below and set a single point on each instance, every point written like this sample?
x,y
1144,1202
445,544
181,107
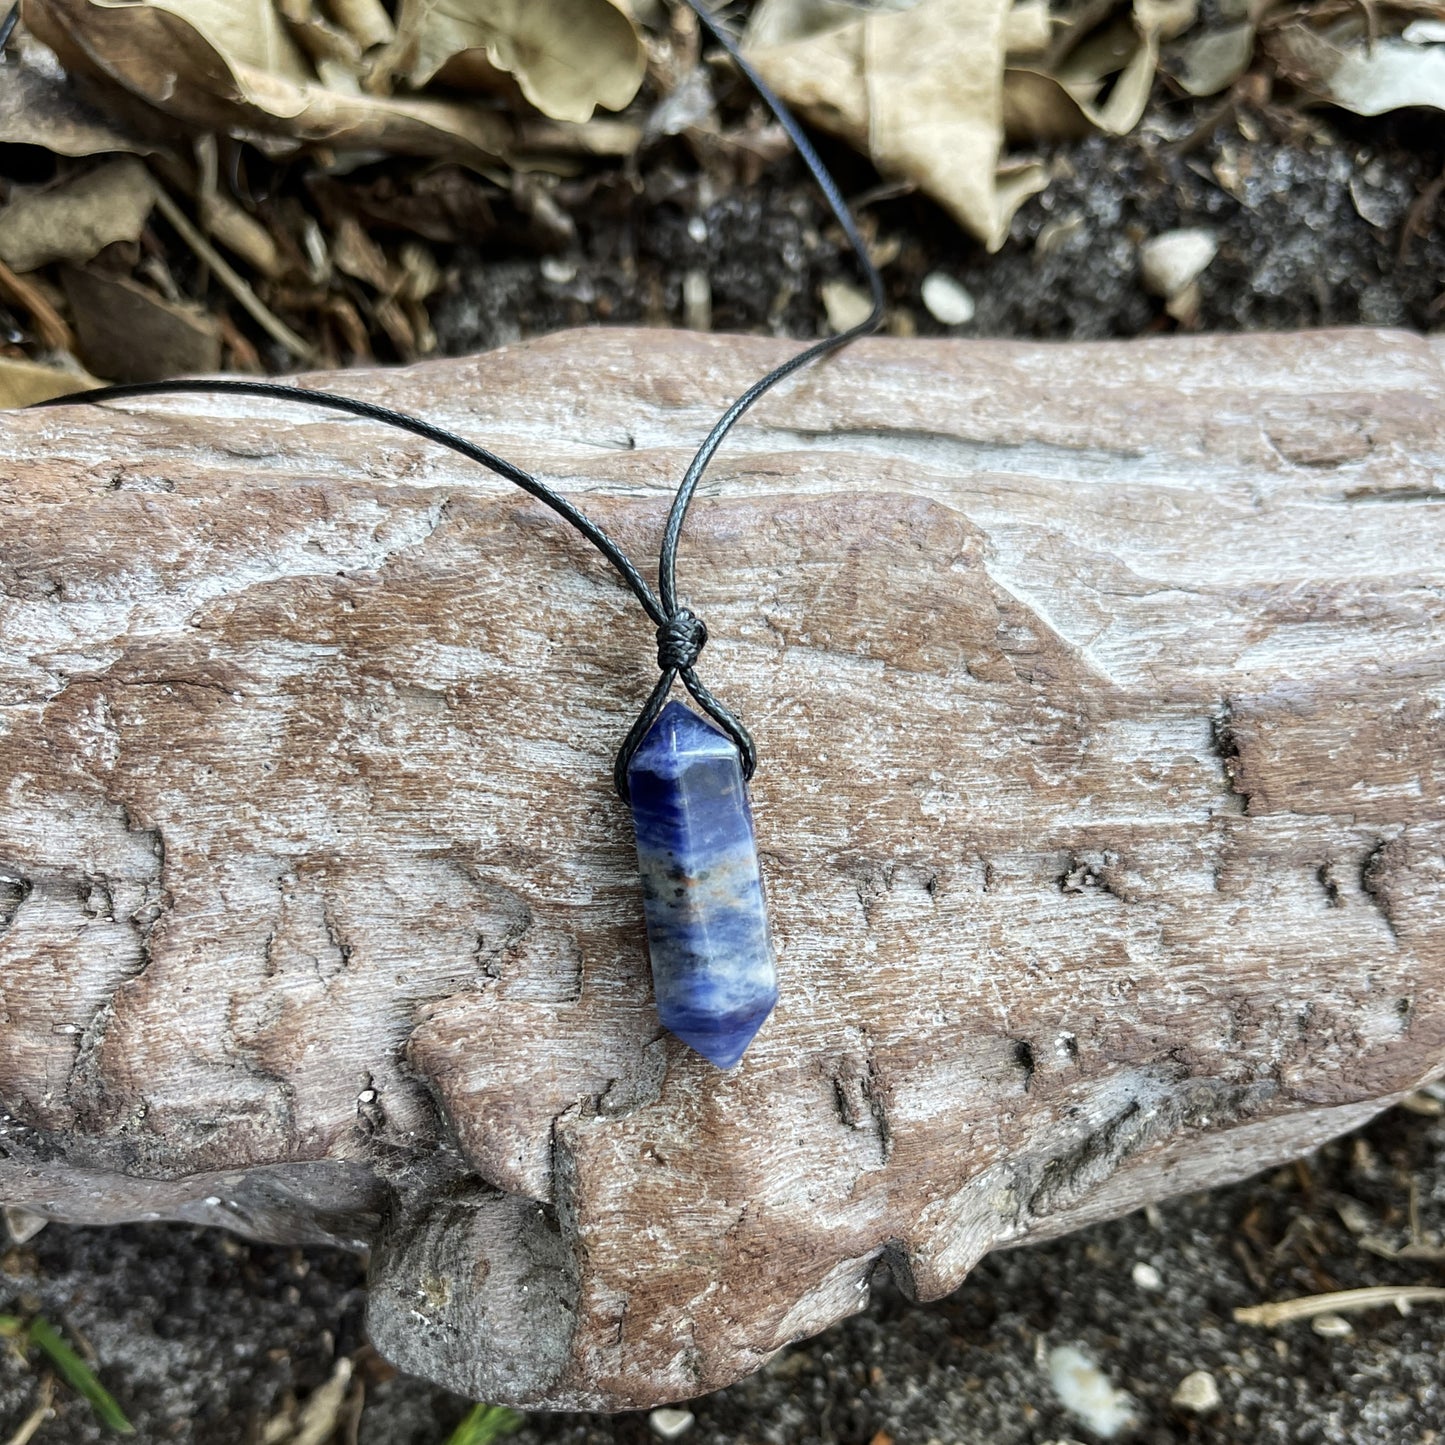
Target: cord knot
x,y
679,640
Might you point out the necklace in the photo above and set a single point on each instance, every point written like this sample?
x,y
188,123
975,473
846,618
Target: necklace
x,y
683,773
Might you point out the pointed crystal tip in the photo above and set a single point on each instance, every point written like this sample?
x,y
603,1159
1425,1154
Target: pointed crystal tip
x,y
722,1041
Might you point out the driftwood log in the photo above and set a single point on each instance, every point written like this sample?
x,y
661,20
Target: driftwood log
x,y
1099,693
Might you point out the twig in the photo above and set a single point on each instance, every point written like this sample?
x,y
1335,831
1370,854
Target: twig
x,y
1308,1306
50,328
38,1416
1428,1253
321,1414
231,279
353,1412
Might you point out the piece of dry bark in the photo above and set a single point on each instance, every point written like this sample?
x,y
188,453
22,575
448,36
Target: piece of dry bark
x,y
1098,692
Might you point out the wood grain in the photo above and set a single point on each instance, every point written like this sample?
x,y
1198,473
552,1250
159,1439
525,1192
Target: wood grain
x,y
1099,693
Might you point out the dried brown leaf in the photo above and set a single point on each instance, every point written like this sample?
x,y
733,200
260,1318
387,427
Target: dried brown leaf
x,y
357,255
1037,108
77,217
447,205
920,89
128,333
420,274
230,67
566,56
23,382
1212,61
1102,83
366,20
322,39
39,107
1028,29
1369,79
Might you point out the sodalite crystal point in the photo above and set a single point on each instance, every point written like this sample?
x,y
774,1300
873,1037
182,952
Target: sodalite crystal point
x,y
702,890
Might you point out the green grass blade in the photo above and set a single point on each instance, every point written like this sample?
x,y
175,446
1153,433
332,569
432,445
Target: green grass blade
x,y
485,1423
79,1376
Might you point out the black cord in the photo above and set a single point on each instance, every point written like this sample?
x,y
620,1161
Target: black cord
x,y
279,391
672,534
681,635
7,25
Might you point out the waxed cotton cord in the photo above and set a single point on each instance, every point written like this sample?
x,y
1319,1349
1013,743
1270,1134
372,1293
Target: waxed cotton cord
x,y
681,634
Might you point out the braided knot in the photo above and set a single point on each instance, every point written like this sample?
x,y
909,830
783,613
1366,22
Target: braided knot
x,y
679,640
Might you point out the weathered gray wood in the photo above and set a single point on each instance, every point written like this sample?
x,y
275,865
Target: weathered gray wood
x,y
1099,691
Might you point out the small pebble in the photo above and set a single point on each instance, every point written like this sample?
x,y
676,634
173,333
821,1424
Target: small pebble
x,y
697,301
1172,262
1088,1394
23,1224
1055,235
947,300
670,1424
1197,1392
1426,1105
1147,1277
557,270
1424,32
1334,1327
845,304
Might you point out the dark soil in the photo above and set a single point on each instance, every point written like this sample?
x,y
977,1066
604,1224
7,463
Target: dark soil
x,y
202,1337
1321,222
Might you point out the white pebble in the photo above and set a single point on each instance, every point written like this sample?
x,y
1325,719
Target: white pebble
x,y
1424,32
670,1424
1333,1327
558,270
1171,262
1088,1394
1197,1392
1147,1277
23,1224
845,304
696,301
947,301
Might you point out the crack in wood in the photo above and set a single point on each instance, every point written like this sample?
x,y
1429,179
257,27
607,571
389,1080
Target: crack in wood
x,y
15,888
1225,742
1375,883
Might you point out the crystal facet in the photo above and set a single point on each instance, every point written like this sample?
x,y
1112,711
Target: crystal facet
x,y
702,890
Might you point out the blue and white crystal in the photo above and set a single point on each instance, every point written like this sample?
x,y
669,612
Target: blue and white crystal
x,y
702,889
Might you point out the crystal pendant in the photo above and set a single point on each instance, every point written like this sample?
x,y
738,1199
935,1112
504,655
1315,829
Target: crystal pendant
x,y
702,890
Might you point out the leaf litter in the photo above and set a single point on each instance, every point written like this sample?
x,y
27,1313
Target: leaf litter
x,y
253,184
